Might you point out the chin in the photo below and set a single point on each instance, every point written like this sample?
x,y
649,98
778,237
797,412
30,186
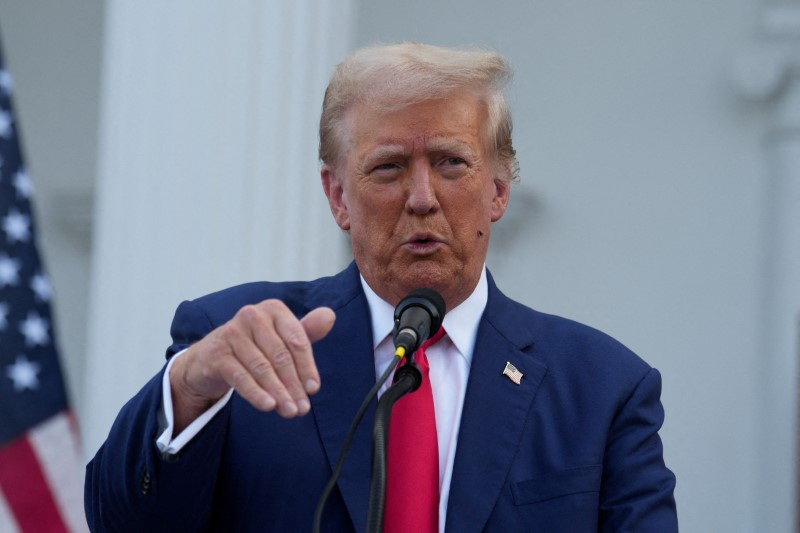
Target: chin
x,y
425,275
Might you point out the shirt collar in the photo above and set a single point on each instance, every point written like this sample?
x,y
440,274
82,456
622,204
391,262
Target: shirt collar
x,y
460,323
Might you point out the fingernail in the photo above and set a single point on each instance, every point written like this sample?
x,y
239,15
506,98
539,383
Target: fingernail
x,y
312,386
268,403
290,408
304,406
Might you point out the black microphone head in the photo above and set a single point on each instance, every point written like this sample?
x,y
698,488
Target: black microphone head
x,y
417,317
431,300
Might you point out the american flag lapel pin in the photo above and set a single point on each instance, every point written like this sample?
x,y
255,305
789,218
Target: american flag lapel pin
x,y
511,372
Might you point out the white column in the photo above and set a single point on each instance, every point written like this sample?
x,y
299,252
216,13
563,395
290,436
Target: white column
x,y
768,72
208,174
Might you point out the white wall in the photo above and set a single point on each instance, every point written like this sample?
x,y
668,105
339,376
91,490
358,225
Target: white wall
x,y
207,171
643,208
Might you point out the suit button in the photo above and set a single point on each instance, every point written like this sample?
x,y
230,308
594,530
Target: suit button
x,y
145,482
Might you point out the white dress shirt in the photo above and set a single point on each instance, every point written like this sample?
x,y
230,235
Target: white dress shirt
x,y
449,361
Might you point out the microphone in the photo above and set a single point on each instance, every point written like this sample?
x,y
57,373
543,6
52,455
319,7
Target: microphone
x,y
417,317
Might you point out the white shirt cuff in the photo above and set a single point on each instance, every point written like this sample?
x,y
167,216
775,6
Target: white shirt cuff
x,y
165,443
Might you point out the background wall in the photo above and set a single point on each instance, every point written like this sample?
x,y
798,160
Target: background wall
x,y
646,207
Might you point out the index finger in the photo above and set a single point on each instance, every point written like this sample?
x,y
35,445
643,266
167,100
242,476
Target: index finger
x,y
317,324
295,365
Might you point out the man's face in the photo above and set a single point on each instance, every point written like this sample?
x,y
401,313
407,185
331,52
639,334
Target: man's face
x,y
414,187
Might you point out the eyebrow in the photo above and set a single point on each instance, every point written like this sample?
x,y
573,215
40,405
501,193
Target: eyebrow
x,y
434,145
450,146
386,151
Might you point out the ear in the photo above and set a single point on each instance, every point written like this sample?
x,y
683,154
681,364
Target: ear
x,y
332,184
502,189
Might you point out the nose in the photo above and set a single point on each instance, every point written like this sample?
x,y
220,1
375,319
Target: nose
x,y
421,198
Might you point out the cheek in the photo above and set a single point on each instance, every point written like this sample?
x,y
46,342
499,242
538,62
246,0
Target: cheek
x,y
379,209
369,231
471,229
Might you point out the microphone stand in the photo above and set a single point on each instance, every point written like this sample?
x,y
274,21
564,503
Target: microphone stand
x,y
419,313
407,379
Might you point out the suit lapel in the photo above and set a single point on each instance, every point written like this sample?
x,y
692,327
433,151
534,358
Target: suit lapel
x,y
494,415
493,418
346,364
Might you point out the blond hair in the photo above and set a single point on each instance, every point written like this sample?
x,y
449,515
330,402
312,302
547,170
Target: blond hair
x,y
401,74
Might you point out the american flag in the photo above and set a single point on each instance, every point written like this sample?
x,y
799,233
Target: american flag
x,y
511,372
40,477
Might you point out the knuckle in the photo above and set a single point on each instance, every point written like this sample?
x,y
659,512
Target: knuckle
x,y
223,338
238,378
261,369
208,372
248,313
274,305
215,342
212,368
282,357
296,340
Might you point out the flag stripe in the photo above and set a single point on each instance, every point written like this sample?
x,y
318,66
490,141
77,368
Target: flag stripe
x,y
26,490
7,522
54,443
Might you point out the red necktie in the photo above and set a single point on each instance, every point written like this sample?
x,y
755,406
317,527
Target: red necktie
x,y
412,462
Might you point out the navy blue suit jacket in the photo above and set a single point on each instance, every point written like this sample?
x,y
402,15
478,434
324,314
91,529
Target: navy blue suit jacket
x,y
573,448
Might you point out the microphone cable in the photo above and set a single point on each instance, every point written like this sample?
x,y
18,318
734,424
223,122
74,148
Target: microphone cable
x,y
398,356
419,314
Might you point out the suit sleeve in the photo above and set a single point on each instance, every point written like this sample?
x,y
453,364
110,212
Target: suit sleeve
x,y
129,485
637,488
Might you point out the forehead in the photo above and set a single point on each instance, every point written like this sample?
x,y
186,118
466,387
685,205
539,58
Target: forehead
x,y
459,119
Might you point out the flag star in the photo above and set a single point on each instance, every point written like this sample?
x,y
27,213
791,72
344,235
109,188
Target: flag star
x,y
5,124
17,226
9,271
3,316
40,285
23,183
24,374
6,81
34,328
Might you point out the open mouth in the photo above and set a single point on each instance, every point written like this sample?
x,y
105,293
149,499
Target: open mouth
x,y
422,244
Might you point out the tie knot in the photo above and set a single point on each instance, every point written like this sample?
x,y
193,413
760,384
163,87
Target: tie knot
x,y
433,339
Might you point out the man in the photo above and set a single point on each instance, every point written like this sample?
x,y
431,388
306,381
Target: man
x,y
242,428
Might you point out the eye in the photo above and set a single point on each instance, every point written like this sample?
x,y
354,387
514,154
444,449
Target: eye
x,y
453,166
385,172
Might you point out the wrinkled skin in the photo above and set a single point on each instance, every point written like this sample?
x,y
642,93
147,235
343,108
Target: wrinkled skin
x,y
415,189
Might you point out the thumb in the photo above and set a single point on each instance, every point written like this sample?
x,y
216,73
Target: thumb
x,y
318,323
